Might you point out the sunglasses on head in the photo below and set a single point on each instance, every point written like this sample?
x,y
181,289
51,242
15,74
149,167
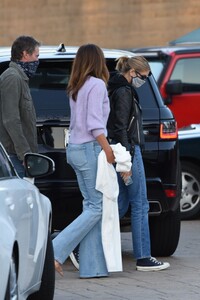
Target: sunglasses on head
x,y
143,77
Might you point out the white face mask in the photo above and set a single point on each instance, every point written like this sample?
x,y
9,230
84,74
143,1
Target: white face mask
x,y
137,82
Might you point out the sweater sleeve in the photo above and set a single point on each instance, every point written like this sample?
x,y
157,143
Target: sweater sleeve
x,y
98,108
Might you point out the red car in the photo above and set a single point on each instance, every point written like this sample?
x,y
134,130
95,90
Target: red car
x,y
177,72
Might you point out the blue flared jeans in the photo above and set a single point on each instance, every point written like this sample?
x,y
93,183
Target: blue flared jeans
x,y
135,195
86,228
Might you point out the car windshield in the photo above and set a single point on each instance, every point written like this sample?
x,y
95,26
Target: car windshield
x,y
6,169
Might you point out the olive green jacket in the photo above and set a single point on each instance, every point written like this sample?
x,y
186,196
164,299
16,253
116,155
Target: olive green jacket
x,y
18,132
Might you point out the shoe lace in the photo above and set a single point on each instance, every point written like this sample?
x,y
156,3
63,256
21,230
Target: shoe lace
x,y
154,260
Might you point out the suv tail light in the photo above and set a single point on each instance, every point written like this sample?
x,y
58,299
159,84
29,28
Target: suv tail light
x,y
168,130
170,193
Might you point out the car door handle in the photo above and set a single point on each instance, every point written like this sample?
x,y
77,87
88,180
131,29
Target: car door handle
x,y
10,203
29,201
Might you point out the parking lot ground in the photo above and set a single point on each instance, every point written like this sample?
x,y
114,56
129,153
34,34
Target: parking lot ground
x,y
180,282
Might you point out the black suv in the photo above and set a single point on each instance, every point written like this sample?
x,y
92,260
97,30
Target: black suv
x,y
161,157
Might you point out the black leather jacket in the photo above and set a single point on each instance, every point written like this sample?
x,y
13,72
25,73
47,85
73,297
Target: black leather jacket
x,y
125,119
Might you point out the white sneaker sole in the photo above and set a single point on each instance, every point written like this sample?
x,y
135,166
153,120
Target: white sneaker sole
x,y
164,266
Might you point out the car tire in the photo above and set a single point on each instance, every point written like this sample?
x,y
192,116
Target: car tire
x,y
190,199
165,232
47,287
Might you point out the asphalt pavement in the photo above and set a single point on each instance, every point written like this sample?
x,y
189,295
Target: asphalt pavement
x,y
180,282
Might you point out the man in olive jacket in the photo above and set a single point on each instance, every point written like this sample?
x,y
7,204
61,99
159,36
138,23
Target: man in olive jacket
x,y
18,132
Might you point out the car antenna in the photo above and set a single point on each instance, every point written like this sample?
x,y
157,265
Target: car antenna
x,y
61,48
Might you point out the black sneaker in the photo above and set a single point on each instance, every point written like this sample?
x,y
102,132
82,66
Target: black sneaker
x,y
74,256
151,264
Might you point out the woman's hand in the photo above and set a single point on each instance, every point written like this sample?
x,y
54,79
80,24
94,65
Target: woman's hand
x,y
102,140
125,175
110,155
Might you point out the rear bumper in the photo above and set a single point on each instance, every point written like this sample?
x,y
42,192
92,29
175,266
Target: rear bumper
x,y
158,200
66,200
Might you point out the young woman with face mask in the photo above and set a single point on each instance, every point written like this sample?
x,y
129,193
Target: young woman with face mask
x,y
125,127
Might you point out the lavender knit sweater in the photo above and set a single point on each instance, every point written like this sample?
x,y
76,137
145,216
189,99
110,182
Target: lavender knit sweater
x,y
89,113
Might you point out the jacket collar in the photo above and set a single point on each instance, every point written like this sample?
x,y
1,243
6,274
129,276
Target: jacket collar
x,y
19,69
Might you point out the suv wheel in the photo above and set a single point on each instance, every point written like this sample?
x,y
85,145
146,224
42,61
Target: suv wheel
x,y
190,199
165,232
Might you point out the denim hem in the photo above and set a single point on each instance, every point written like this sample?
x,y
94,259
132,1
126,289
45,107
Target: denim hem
x,y
58,260
143,257
94,276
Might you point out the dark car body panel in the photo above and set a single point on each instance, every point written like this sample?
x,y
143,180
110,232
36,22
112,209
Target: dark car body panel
x,y
189,139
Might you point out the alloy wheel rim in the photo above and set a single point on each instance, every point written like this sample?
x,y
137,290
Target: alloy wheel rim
x,y
190,197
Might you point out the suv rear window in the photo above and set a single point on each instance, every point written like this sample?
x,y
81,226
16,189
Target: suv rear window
x,y
156,68
48,89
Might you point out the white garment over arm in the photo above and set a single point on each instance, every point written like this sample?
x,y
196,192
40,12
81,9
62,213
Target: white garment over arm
x,y
107,183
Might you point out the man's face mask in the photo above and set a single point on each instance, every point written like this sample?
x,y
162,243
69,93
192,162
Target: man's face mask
x,y
30,67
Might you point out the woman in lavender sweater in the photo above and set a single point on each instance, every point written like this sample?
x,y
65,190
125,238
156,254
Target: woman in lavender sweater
x,y
90,108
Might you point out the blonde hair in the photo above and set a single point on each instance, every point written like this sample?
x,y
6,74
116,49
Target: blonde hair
x,y
89,61
138,63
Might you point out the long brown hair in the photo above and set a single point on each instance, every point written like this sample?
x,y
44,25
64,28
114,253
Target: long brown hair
x,y
89,61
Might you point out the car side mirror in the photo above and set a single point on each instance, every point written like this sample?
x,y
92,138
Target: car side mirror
x,y
38,165
174,87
